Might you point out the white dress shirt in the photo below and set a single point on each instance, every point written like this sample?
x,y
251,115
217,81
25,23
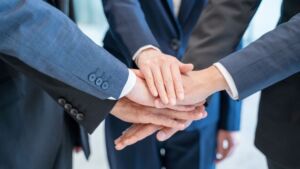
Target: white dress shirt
x,y
177,4
233,92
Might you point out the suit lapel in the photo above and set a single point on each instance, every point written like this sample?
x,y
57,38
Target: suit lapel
x,y
185,10
62,5
170,9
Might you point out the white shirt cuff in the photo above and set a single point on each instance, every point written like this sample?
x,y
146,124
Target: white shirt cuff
x,y
138,52
131,81
233,92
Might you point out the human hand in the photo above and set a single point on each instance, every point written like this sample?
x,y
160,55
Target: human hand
x,y
198,85
226,143
138,132
141,95
163,75
131,112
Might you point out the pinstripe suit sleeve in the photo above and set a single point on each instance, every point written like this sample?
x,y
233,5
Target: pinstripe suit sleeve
x,y
44,38
47,46
273,57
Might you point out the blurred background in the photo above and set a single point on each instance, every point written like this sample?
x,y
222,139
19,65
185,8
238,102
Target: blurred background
x,y
92,21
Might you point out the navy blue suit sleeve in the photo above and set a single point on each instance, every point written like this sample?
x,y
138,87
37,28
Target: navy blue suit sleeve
x,y
128,25
273,57
230,113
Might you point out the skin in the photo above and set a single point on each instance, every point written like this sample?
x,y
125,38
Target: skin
x,y
131,112
198,85
163,74
138,132
225,150
140,94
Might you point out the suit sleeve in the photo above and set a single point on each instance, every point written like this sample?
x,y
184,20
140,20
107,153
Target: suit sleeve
x,y
128,24
86,109
273,57
44,38
43,43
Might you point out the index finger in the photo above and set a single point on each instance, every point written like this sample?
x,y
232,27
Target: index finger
x,y
135,134
177,81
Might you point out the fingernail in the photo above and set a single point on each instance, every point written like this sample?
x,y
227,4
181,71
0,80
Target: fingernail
x,y
166,101
118,147
161,136
182,126
117,140
200,115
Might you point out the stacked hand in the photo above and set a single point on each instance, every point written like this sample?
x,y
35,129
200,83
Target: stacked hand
x,y
163,75
168,97
147,120
138,108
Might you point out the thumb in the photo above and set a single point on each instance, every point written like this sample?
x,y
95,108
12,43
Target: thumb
x,y
185,68
138,73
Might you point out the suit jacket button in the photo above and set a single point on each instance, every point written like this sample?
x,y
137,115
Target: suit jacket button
x,y
175,44
162,152
79,117
67,107
61,101
104,86
73,112
92,77
99,81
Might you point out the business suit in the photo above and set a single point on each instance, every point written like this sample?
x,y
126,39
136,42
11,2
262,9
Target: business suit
x,y
243,66
260,55
39,49
277,133
154,23
279,104
277,56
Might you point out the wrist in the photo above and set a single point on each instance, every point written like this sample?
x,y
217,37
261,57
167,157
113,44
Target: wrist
x,y
144,51
130,83
145,54
214,79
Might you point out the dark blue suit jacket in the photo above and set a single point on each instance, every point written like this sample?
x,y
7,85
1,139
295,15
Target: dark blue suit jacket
x,y
133,24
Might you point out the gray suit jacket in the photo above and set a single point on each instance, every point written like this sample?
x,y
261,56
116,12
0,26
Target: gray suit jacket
x,y
46,45
219,30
